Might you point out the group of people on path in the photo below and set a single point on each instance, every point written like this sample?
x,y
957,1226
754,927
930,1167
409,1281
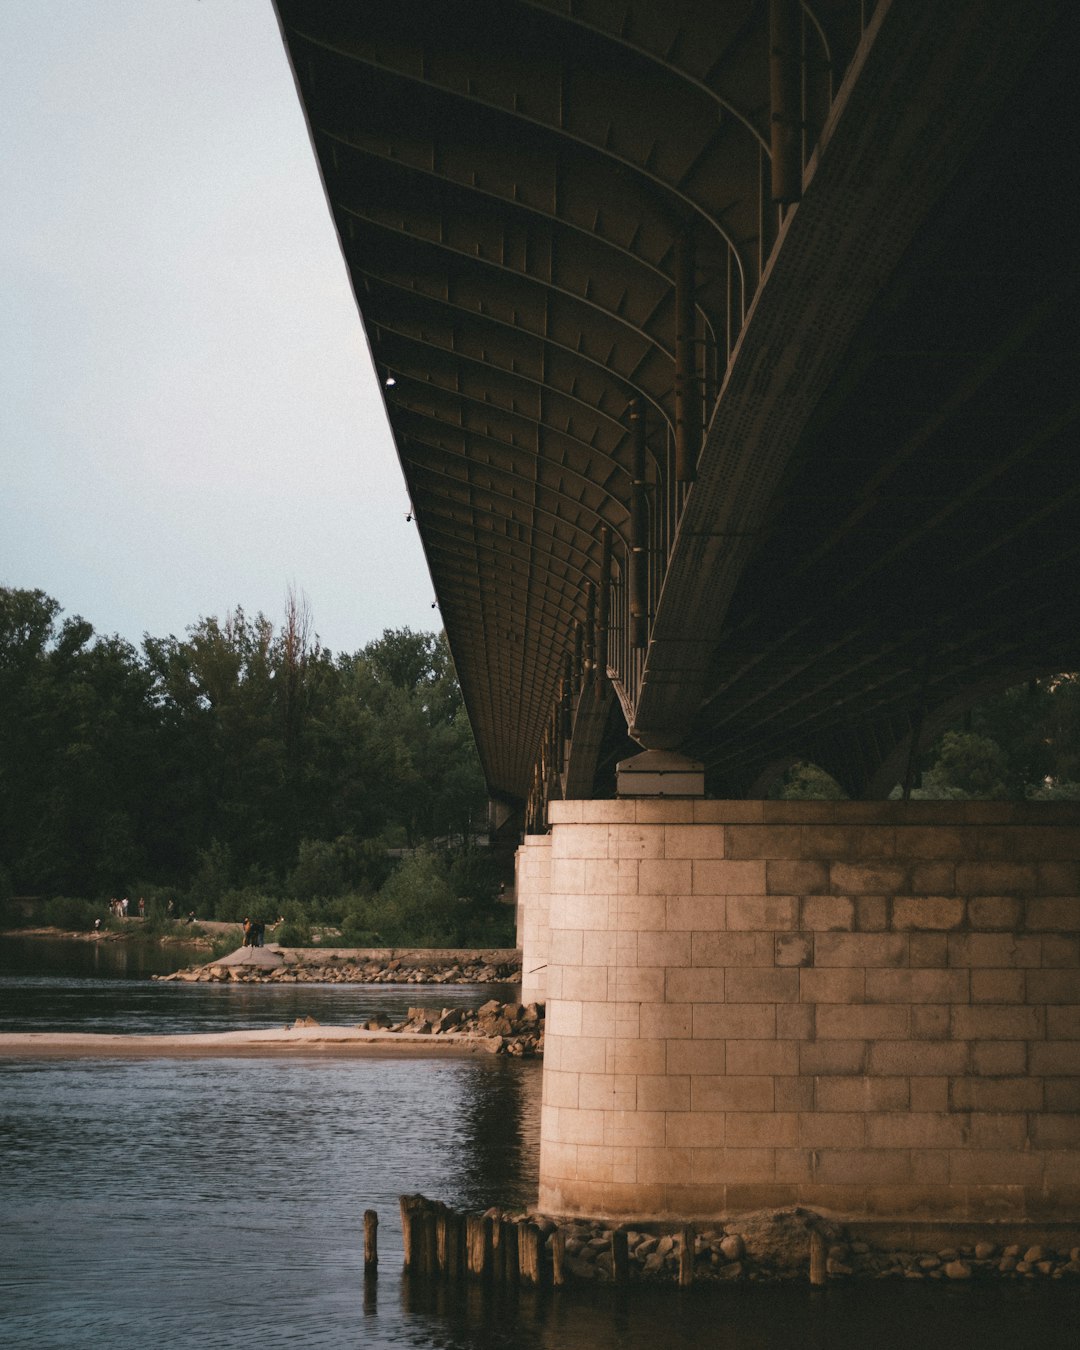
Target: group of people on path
x,y
119,908
254,932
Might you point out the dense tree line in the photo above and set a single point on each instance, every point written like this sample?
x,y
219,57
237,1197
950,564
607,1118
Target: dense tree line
x,y
242,765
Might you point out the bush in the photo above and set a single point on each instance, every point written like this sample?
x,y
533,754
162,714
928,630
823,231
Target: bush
x,y
295,931
65,911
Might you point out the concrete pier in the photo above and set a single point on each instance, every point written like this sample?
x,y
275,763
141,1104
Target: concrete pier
x,y
871,1008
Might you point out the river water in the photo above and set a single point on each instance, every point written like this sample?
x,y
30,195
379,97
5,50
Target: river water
x,y
220,1202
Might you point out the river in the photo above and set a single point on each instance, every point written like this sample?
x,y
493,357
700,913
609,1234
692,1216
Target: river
x,y
220,1202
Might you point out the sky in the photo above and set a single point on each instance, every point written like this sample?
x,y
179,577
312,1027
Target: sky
x,y
189,420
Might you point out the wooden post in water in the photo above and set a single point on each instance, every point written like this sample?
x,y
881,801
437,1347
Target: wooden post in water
x,y
511,1272
371,1241
530,1254
498,1252
620,1256
408,1230
558,1258
686,1257
430,1259
819,1273
478,1245
442,1240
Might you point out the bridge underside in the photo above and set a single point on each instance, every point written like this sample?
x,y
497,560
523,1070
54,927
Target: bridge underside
x,y
730,353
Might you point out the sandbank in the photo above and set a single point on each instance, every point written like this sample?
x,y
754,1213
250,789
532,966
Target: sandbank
x,y
347,1042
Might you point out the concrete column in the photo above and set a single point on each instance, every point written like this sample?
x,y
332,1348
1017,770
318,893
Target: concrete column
x,y
532,866
871,1008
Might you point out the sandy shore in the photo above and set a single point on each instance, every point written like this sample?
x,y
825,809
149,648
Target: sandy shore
x,y
289,1042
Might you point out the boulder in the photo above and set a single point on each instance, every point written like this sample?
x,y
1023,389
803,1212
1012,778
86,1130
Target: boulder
x,y
780,1238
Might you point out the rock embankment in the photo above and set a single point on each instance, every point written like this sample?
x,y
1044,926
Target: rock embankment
x,y
312,965
505,1028
774,1245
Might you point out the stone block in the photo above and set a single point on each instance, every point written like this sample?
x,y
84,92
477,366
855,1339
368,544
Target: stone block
x,y
764,842
762,913
1062,1094
653,811
994,949
918,1058
1060,952
761,986
1058,878
635,841
737,1166
750,1057
663,1092
664,1164
641,913
998,1022
861,1021
1053,986
794,949
585,983
560,1089
928,950
871,913
1053,913
731,1092
1063,1022
581,1127
610,876
832,1129
832,1057
696,1057
695,984
1054,1058
664,876
930,1021
762,1129
581,1054
735,1021
795,1022
695,1129
597,949
935,842
640,1056
931,878
786,877
638,984
994,911
607,1091
860,949
995,1059
916,986
827,913
721,876
997,986
793,1094
996,878
997,1129
728,812
565,947
865,1167
731,949
562,813
929,1094
927,912
663,948
847,878
989,1167
915,1130
793,1165
665,1021
693,841
567,876
628,1129
1041,842
842,984
689,913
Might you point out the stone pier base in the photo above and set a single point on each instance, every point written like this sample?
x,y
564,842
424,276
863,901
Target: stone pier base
x,y
871,1009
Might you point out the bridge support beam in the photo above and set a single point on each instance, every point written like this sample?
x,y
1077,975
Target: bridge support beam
x,y
532,868
871,1008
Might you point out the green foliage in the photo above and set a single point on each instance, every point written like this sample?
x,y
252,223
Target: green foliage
x,y
967,765
808,782
296,929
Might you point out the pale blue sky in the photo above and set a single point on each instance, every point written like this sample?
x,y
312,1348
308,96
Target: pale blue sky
x,y
188,418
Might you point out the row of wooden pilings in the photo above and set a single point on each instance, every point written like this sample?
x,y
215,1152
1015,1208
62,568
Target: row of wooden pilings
x,y
439,1242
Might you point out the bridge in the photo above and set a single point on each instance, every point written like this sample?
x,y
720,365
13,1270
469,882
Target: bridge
x,y
730,351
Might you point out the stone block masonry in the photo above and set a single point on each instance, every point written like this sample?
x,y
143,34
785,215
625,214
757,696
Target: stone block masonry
x,y
867,1008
